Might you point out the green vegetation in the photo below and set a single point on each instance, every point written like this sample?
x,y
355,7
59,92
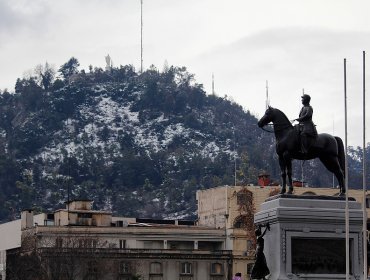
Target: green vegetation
x,y
137,144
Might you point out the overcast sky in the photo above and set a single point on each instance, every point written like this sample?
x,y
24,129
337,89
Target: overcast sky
x,y
294,44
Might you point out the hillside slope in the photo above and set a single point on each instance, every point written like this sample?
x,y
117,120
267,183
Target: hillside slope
x,y
137,144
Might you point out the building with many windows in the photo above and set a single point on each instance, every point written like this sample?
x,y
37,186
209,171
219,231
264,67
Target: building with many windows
x,y
79,242
88,244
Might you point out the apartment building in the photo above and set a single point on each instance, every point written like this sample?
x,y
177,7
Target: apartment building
x,y
79,242
90,244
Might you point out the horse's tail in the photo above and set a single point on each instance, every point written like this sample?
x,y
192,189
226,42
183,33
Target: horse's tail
x,y
341,155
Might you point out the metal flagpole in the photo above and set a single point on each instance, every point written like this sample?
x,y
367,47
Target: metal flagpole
x,y
364,221
302,161
346,171
267,95
333,173
234,157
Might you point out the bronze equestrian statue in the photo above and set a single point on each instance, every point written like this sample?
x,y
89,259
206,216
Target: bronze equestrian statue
x,y
329,149
307,129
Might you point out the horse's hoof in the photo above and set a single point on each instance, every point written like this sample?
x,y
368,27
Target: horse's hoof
x,y
341,194
290,191
282,191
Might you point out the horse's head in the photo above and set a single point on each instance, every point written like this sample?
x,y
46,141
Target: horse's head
x,y
267,117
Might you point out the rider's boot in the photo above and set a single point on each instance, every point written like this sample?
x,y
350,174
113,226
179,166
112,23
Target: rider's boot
x,y
304,145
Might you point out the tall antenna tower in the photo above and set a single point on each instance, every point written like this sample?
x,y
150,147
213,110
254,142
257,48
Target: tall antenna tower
x,y
141,38
213,84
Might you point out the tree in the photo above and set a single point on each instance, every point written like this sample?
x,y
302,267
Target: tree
x,y
69,68
21,266
45,75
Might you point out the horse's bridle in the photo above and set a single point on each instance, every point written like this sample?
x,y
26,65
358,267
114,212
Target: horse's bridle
x,y
269,131
276,127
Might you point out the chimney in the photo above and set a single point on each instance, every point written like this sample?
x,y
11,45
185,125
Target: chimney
x,y
264,180
26,219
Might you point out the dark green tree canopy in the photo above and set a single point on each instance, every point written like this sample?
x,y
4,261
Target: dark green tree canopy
x,y
69,68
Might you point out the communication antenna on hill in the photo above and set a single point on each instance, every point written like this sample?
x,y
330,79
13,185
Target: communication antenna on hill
x,y
267,94
141,37
213,84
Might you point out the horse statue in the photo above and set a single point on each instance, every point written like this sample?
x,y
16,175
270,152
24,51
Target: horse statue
x,y
329,149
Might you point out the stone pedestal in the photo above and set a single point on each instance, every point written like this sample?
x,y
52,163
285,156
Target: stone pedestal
x,y
307,237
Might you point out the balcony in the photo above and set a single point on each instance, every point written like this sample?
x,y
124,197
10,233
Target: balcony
x,y
138,253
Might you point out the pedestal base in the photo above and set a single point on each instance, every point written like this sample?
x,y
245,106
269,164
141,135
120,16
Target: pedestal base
x,y
307,237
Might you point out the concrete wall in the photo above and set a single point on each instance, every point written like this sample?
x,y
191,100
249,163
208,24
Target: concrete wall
x,y
10,237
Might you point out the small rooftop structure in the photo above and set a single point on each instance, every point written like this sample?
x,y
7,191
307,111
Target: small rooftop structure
x,y
264,179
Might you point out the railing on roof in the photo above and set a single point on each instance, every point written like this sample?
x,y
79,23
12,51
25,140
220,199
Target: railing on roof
x,y
137,253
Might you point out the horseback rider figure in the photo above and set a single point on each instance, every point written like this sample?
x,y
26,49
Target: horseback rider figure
x,y
306,127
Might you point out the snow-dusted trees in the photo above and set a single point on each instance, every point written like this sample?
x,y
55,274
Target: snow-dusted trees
x,y
69,68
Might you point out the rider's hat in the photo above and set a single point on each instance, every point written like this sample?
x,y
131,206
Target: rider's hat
x,y
307,97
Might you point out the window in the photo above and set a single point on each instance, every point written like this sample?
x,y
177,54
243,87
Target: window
x,y
87,243
124,277
216,268
241,198
92,267
249,268
250,245
155,268
244,197
84,215
122,244
124,268
92,270
240,221
186,268
59,242
155,271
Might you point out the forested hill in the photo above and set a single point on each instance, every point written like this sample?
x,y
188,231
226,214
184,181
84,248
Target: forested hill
x,y
136,144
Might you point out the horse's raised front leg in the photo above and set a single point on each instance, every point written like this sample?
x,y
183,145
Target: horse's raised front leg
x,y
283,174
